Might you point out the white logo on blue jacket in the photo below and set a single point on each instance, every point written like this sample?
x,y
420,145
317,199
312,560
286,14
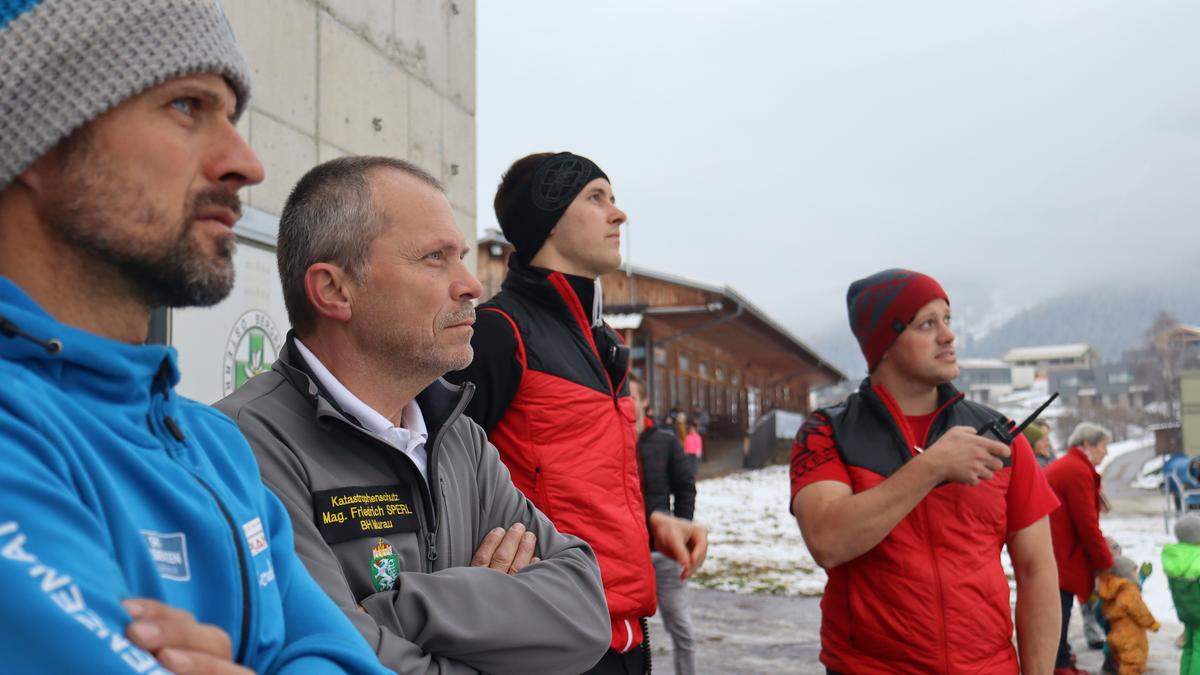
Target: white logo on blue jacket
x,y
169,550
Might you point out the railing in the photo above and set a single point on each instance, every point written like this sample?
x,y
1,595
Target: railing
x,y
766,432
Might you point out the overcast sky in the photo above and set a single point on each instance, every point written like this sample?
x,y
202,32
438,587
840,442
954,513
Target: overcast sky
x,y
1014,150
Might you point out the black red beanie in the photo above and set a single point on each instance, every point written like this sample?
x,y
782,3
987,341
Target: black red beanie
x,y
882,305
543,199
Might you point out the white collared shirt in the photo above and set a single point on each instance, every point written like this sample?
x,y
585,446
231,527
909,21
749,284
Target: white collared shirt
x,y
409,439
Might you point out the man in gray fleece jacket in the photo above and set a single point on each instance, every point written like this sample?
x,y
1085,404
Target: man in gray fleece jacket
x,y
401,507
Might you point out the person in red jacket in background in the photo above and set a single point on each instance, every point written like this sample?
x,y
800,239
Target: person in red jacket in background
x,y
907,508
552,388
1079,546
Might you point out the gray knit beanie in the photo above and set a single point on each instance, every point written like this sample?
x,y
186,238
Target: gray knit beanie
x,y
1125,568
65,62
1187,529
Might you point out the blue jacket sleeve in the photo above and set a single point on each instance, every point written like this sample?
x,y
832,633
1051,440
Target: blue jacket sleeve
x,y
60,584
319,637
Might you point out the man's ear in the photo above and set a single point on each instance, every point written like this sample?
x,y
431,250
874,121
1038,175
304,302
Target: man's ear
x,y
330,291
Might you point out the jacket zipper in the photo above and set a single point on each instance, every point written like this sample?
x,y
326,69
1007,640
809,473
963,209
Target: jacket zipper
x,y
937,579
428,539
938,413
575,309
435,491
429,492
537,485
176,433
937,570
905,432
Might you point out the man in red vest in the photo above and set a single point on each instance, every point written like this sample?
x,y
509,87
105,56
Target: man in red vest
x,y
552,390
907,508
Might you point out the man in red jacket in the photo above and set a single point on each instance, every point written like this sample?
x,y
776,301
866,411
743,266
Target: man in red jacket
x,y
907,508
552,390
1079,546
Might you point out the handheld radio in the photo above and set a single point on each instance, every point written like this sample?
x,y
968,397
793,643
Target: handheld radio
x,y
999,429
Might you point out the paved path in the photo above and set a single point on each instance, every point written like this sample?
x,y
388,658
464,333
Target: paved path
x,y
747,634
721,457
751,634
1117,478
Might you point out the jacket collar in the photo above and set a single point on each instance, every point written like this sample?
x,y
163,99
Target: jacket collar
x,y
534,282
123,375
1081,456
441,402
947,397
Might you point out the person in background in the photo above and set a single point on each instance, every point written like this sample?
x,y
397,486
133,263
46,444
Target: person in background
x,y
668,484
129,511
693,446
681,425
1049,433
1095,631
703,419
1096,606
1181,564
1039,439
1127,615
1080,549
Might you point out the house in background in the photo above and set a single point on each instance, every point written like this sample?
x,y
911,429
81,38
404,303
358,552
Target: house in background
x,y
1182,339
987,380
1053,357
1106,384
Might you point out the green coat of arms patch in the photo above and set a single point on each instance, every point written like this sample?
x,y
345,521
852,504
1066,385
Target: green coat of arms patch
x,y
385,567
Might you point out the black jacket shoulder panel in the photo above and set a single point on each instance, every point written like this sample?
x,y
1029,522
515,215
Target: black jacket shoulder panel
x,y
867,437
554,342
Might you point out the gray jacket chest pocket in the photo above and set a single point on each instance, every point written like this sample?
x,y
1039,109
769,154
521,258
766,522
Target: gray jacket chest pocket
x,y
374,531
373,564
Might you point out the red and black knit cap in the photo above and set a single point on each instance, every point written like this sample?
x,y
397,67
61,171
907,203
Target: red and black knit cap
x,y
882,305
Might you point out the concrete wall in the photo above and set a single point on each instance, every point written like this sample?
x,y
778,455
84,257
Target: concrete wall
x,y
339,77
330,78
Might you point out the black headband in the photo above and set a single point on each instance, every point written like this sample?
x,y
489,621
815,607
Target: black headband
x,y
540,203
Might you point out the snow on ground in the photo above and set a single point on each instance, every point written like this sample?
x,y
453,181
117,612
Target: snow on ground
x,y
754,543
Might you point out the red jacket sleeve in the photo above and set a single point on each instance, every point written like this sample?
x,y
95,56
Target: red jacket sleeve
x,y
1030,497
815,456
1081,497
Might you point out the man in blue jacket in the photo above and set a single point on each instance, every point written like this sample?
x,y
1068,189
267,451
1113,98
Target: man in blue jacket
x,y
119,171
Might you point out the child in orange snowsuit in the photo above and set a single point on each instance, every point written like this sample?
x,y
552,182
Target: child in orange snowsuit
x,y
1128,616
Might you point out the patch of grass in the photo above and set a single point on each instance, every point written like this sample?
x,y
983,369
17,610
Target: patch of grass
x,y
754,578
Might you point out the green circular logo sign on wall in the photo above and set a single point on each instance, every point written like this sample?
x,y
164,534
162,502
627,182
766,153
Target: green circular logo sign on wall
x,y
252,348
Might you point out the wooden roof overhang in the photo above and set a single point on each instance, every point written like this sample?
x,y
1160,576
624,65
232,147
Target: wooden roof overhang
x,y
742,335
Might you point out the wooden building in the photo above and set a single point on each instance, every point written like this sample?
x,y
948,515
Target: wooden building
x,y
696,345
